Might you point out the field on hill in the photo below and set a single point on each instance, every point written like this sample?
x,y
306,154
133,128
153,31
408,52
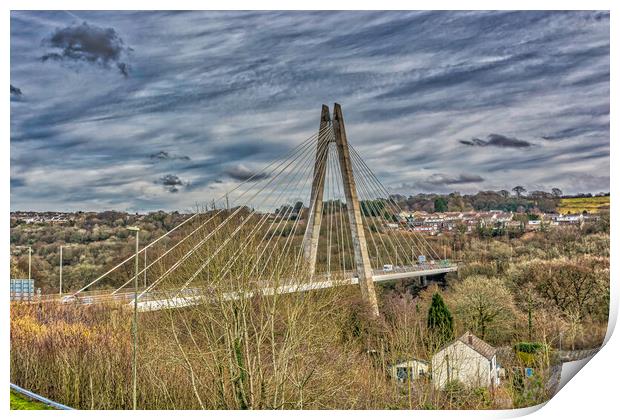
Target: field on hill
x,y
579,204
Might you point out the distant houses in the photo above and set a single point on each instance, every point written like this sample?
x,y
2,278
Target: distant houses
x,y
41,217
466,222
434,223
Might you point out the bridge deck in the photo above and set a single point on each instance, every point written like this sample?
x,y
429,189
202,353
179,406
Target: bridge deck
x,y
191,298
156,300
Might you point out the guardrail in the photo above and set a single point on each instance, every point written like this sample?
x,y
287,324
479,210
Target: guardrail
x,y
39,398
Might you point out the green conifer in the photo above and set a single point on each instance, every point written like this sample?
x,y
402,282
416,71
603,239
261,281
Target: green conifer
x,y
439,321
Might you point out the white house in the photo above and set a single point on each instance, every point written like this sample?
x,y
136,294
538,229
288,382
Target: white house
x,y
412,369
468,360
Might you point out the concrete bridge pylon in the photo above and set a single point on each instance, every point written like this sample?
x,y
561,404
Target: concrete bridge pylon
x,y
311,237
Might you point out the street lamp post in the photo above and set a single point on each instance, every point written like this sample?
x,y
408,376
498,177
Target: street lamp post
x,y
145,268
29,263
60,282
135,322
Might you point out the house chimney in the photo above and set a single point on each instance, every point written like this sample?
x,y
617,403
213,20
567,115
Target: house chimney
x,y
470,339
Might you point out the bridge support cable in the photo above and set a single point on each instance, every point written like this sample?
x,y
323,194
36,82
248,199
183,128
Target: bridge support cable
x,y
371,201
313,225
342,220
410,244
395,206
282,216
342,223
318,171
372,196
228,239
296,153
276,230
362,262
375,211
390,202
348,244
231,216
266,169
346,247
308,252
264,240
333,228
289,238
370,205
257,228
303,165
331,213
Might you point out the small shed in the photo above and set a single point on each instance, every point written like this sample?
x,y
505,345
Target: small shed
x,y
412,369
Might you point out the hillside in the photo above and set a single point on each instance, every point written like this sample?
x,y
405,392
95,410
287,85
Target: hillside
x,y
580,204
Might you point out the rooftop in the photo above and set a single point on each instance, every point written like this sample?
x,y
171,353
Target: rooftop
x,y
480,346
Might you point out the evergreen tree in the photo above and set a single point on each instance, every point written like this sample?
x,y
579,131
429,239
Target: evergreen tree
x,y
441,204
439,321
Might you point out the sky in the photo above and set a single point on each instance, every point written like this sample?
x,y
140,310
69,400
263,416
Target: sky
x,y
141,111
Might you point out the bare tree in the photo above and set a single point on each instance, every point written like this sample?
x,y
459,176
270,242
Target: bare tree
x,y
484,304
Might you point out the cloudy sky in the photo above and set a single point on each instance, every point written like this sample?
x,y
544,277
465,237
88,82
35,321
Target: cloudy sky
x,y
141,110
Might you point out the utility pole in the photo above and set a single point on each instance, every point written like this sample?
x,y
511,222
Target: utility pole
x,y
60,288
135,322
29,263
227,204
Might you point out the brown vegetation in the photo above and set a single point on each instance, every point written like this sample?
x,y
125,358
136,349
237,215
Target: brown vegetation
x,y
321,349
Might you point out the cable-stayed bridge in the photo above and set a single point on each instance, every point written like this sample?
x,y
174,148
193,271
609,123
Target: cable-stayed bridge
x,y
314,219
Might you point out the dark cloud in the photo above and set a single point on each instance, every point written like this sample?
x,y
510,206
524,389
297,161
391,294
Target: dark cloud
x,y
16,91
443,179
497,140
88,43
577,131
172,182
163,155
579,153
17,182
241,173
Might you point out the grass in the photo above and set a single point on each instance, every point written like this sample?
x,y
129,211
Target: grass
x,y
578,205
19,402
